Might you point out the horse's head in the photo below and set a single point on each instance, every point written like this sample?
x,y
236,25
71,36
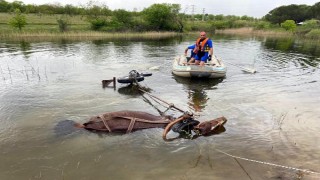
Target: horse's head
x,y
211,127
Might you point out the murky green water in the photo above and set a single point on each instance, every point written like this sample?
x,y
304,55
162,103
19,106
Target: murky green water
x,y
272,115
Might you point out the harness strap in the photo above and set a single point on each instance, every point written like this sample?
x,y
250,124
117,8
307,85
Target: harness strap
x,y
105,122
133,120
147,121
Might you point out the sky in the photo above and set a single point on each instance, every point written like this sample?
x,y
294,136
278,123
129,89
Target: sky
x,y
252,8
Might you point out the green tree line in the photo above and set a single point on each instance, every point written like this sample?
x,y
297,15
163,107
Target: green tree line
x,y
164,17
298,13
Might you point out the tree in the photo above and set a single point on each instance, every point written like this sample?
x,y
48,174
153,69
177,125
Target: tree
x,y
178,17
46,9
289,25
161,16
63,24
121,20
31,9
18,21
4,6
70,10
122,16
315,11
18,5
247,18
96,9
96,15
298,13
219,17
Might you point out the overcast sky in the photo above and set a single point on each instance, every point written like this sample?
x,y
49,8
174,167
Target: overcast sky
x,y
253,8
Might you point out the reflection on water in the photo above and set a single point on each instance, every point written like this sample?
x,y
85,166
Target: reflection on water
x,y
25,48
198,99
133,90
272,115
289,45
196,89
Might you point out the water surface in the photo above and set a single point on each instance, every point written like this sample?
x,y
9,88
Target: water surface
x,y
272,115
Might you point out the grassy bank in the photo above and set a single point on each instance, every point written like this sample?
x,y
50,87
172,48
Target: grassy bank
x,y
44,19
252,31
313,34
45,27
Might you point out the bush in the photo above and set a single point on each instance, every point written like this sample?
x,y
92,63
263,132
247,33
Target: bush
x,y
221,24
63,24
19,20
240,23
313,23
262,25
97,23
289,25
198,26
314,34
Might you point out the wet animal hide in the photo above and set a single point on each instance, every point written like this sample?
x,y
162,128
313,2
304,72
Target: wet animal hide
x,y
125,121
210,127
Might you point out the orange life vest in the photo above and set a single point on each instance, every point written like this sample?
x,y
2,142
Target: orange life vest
x,y
199,47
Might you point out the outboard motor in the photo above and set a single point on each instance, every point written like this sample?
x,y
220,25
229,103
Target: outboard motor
x,y
134,76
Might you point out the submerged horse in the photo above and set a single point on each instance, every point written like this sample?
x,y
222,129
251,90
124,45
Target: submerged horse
x,y
129,121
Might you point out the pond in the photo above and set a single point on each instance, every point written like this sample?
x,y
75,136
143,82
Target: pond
x,y
272,130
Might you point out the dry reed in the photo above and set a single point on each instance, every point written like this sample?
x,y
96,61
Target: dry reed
x,y
92,35
251,31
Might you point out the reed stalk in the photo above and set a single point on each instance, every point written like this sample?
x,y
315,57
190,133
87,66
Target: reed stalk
x,y
9,72
4,79
90,35
251,31
25,68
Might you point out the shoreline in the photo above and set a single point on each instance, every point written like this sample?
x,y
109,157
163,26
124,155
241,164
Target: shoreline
x,y
151,35
252,31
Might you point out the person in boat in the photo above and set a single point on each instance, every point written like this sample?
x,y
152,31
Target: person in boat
x,y
203,49
192,55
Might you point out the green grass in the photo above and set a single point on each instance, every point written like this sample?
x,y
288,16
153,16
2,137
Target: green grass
x,y
314,33
43,23
7,29
44,19
47,25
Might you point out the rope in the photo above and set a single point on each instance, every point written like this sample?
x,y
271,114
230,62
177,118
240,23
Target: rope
x,y
130,127
170,104
105,122
134,74
148,101
155,100
243,68
270,164
140,88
